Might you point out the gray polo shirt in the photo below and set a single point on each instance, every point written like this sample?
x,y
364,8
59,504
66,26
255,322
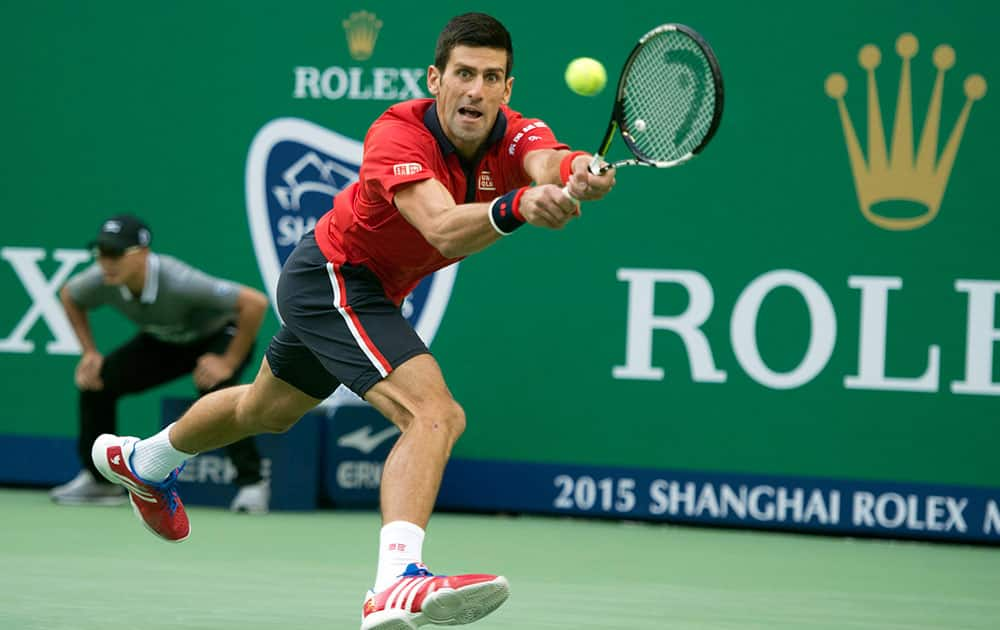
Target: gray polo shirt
x,y
179,303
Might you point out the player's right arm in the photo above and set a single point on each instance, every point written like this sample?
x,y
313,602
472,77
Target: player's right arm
x,y
459,230
88,371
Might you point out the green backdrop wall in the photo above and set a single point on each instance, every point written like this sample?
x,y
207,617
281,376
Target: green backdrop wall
x,y
740,314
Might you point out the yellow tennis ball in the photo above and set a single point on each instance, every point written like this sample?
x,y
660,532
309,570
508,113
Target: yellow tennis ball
x,y
586,76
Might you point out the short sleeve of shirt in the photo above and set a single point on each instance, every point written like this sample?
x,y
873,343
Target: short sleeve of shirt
x,y
396,155
528,134
202,290
87,287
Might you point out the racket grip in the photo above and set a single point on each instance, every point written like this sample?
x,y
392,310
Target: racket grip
x,y
568,194
596,168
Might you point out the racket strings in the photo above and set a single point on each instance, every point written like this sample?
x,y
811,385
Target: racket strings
x,y
669,97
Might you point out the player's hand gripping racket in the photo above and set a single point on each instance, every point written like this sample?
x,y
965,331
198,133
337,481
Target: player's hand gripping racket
x,y
669,100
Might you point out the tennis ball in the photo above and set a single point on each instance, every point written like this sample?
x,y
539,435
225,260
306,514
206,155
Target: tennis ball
x,y
586,76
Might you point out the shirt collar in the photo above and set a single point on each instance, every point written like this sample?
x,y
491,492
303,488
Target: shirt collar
x,y
434,126
152,285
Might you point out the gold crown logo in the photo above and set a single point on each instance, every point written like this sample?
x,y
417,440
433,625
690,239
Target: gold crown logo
x,y
362,30
899,176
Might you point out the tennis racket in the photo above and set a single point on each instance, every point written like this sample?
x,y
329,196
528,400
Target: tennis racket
x,y
669,100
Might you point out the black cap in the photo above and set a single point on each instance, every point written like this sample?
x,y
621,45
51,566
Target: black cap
x,y
120,232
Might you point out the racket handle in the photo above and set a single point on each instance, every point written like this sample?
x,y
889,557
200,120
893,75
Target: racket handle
x,y
569,195
596,168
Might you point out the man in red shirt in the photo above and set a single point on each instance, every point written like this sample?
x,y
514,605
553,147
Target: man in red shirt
x,y
441,178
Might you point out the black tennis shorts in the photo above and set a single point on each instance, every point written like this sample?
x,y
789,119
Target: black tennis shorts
x,y
339,327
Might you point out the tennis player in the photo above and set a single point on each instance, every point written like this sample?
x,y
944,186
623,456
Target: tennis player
x,y
441,179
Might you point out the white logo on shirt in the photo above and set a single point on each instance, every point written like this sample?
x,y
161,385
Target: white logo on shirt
x,y
486,181
517,138
407,168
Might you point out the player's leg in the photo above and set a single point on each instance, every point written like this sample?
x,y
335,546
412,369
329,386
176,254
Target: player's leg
x,y
268,405
415,397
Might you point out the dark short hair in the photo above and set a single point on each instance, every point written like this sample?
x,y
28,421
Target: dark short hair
x,y
473,29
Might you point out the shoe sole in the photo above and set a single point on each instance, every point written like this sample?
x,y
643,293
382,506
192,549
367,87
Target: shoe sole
x,y
99,455
446,607
458,607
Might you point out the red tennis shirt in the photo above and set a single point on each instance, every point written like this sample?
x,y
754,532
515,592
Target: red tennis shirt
x,y
406,145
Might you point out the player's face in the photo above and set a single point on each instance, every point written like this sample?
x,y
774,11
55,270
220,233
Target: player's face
x,y
121,267
469,93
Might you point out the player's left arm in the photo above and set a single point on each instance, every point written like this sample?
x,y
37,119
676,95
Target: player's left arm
x,y
546,166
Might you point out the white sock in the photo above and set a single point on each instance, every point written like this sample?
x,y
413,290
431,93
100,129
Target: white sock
x,y
155,457
400,543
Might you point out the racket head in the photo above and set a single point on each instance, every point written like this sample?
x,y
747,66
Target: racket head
x,y
670,96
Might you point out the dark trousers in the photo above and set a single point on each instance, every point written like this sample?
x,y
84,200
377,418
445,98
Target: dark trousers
x,y
143,363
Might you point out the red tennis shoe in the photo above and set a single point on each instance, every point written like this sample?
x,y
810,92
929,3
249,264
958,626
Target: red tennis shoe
x,y
156,504
419,598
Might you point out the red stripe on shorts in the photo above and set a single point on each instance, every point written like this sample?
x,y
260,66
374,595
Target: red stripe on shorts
x,y
344,308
